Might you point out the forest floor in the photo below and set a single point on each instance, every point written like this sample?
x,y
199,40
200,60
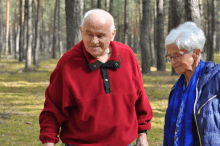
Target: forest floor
x,y
22,99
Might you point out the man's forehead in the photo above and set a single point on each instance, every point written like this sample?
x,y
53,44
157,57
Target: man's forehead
x,y
97,23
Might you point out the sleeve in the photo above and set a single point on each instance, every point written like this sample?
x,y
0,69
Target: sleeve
x,y
143,108
52,115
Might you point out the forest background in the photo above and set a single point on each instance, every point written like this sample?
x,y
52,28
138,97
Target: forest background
x,y
34,34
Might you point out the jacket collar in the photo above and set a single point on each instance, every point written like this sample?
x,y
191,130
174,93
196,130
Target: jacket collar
x,y
113,62
209,71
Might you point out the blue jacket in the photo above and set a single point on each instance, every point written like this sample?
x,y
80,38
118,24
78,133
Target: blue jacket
x,y
207,105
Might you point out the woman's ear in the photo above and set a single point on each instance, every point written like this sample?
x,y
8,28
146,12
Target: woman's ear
x,y
196,54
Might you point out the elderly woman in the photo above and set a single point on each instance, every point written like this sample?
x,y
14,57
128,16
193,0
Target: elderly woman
x,y
193,113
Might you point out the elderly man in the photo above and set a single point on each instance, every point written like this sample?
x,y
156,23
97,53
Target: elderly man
x,y
96,95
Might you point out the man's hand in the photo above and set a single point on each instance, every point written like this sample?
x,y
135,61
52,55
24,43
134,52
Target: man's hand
x,y
48,144
142,140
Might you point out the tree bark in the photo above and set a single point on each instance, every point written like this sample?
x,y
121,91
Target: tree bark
x,y
155,30
74,15
144,39
29,35
92,4
16,31
107,5
54,48
151,37
37,34
60,44
21,37
214,24
7,29
111,7
10,40
176,17
211,8
192,12
126,22
25,28
161,66
99,4
1,26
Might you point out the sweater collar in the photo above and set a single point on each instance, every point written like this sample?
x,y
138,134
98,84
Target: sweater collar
x,y
113,62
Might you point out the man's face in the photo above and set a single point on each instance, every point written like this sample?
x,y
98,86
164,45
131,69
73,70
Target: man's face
x,y
96,35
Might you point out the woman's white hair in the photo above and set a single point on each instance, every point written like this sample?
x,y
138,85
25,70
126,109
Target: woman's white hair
x,y
99,11
186,36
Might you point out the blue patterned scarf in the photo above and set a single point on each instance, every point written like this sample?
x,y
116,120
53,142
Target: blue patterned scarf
x,y
179,115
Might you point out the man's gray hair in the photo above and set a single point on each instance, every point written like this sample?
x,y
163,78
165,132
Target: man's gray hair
x,y
186,36
100,11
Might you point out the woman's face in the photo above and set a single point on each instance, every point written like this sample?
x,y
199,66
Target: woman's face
x,y
181,60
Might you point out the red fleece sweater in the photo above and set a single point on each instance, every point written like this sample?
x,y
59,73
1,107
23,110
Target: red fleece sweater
x,y
78,109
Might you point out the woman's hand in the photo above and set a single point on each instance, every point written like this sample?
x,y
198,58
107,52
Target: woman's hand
x,y
48,144
142,140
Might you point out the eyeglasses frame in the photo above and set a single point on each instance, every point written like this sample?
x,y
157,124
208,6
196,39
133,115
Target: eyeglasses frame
x,y
174,56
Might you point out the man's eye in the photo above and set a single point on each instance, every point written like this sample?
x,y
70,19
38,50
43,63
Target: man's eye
x,y
99,36
89,35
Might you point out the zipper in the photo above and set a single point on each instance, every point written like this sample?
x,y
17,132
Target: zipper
x,y
195,113
205,104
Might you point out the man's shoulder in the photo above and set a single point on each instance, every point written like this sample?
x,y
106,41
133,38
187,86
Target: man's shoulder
x,y
123,48
120,45
75,52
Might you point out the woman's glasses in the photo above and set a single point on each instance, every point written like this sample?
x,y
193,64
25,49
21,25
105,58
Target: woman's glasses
x,y
176,56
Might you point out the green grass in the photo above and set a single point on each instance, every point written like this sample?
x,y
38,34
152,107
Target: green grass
x,y
22,99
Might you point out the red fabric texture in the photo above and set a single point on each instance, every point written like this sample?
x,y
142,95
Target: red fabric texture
x,y
81,113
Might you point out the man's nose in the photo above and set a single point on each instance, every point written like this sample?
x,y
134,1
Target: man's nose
x,y
95,39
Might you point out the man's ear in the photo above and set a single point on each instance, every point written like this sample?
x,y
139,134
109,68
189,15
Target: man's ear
x,y
196,54
113,34
81,31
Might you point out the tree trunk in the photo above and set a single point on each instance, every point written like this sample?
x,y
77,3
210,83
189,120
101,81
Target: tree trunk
x,y
117,37
144,39
21,37
151,37
7,29
192,11
155,30
126,22
176,17
78,15
16,31
37,34
211,6
111,9
214,25
107,5
29,35
60,44
54,48
92,4
161,66
74,15
17,42
1,25
99,4
136,34
10,40
25,28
